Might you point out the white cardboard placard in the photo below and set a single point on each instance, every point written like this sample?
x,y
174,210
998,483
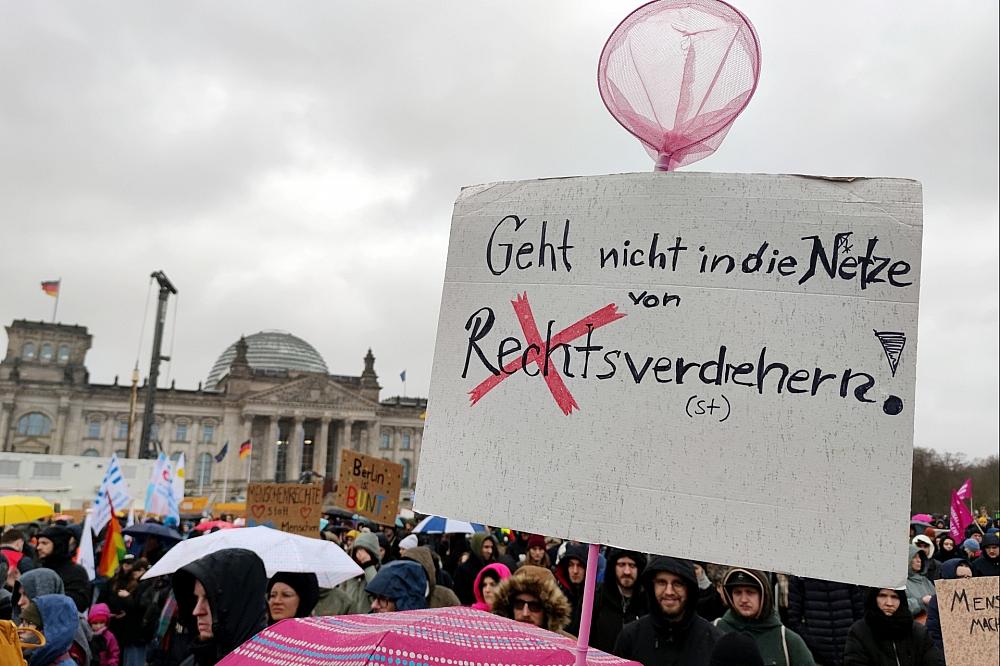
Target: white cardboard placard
x,y
681,436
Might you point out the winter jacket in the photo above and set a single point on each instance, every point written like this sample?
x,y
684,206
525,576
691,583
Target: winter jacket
x,y
822,612
917,584
234,582
985,565
612,610
655,640
438,596
465,574
104,646
404,582
501,572
573,591
879,640
777,644
128,614
74,577
350,598
60,622
949,571
538,582
39,582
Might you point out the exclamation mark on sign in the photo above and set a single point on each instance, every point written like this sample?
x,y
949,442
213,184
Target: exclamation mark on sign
x,y
892,344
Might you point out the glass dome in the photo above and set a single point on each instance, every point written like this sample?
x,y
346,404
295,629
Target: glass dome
x,y
270,350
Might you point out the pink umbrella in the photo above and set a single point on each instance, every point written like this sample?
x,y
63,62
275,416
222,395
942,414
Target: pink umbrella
x,y
922,518
211,524
422,638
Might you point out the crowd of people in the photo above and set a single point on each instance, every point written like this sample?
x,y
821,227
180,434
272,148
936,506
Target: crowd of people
x,y
653,609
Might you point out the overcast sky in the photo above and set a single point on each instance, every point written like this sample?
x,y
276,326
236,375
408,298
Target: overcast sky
x,y
293,165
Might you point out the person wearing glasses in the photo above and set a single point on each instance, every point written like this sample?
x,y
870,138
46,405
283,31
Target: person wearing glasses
x,y
532,595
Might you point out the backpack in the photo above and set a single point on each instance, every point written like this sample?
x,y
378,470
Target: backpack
x,y
12,647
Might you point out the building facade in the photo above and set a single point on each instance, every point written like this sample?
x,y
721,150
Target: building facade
x,y
270,388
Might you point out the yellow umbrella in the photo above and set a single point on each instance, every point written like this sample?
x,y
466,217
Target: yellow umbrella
x,y
23,509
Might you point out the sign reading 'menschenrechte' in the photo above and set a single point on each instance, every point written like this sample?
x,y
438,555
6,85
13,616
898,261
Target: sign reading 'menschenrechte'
x,y
692,364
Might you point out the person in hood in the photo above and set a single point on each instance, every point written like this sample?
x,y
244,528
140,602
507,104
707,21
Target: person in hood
x,y
888,635
350,598
752,610
54,553
438,596
672,634
736,649
41,582
571,572
822,613
485,550
926,545
988,563
619,599
220,601
535,554
919,589
953,568
399,586
103,644
532,595
486,585
128,597
55,616
291,595
947,549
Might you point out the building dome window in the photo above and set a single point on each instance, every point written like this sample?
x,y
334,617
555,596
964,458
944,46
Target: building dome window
x,y
34,424
270,350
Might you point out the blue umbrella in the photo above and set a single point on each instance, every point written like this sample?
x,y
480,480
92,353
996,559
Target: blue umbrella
x,y
143,530
440,525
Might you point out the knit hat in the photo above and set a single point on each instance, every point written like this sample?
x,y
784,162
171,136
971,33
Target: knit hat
x,y
990,540
970,545
99,613
536,541
409,542
30,615
737,648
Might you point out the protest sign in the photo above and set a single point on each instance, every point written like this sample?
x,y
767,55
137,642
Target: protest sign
x,y
290,507
369,486
970,613
701,365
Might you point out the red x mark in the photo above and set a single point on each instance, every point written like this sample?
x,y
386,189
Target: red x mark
x,y
557,387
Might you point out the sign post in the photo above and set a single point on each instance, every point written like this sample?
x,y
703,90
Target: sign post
x,y
659,360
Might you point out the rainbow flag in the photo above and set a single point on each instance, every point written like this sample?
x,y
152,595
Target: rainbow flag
x,y
114,547
245,449
51,287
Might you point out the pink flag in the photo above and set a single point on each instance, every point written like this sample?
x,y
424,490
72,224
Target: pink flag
x,y
965,491
961,517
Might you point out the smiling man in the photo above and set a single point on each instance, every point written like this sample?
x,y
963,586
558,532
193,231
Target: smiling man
x,y
751,610
220,599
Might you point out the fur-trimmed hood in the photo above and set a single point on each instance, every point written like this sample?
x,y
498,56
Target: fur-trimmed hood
x,y
538,582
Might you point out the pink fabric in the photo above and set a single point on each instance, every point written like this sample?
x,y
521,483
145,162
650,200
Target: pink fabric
x,y
677,73
964,491
960,518
502,571
434,637
922,518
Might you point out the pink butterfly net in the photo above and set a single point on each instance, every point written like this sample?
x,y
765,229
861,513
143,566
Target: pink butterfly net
x,y
676,73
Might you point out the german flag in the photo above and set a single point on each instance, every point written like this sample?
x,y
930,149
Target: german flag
x,y
51,287
245,449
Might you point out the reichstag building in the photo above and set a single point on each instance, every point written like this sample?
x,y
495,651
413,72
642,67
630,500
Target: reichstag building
x,y
271,388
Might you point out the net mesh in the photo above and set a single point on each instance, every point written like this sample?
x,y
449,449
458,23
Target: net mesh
x,y
676,73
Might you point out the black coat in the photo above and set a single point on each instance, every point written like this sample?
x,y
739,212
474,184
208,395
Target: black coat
x,y
985,566
655,640
864,649
235,583
822,612
612,611
130,628
74,577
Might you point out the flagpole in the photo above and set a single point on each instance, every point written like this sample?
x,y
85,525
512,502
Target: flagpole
x,y
55,308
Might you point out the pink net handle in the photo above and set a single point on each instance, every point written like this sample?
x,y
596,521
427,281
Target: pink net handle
x,y
677,73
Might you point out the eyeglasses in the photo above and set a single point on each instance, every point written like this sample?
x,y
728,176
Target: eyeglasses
x,y
533,606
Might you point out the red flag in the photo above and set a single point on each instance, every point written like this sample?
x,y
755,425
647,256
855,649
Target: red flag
x,y
51,287
961,518
965,491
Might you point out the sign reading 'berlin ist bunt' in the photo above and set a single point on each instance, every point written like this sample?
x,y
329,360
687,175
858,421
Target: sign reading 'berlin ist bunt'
x,y
690,364
369,486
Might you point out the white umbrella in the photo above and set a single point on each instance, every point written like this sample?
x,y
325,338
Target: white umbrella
x,y
440,525
280,551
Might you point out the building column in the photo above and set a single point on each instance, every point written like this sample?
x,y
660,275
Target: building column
x,y
6,409
321,447
59,436
269,457
374,437
296,440
343,443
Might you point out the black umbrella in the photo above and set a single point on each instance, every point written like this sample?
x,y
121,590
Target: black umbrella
x,y
153,529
